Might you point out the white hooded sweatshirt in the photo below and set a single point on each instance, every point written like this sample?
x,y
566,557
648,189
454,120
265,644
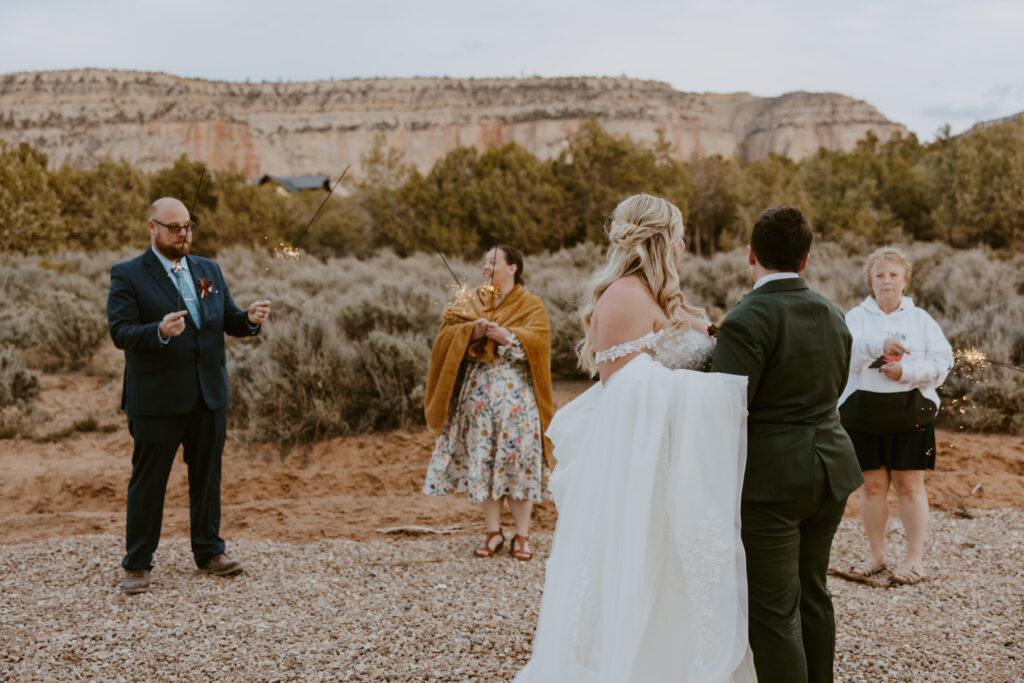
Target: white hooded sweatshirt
x,y
925,367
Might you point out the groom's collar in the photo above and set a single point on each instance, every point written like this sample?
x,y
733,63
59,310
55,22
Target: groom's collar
x,y
772,277
779,285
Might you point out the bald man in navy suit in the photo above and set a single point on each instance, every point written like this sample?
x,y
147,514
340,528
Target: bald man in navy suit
x,y
169,312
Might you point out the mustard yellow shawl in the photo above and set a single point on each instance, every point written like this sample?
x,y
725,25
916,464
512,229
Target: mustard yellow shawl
x,y
520,313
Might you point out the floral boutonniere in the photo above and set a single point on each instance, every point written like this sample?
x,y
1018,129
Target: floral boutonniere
x,y
205,287
712,330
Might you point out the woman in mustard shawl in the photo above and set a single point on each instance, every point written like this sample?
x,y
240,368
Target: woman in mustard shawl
x,y
489,398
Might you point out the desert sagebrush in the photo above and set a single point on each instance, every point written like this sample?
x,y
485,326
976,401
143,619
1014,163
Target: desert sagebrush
x,y
348,344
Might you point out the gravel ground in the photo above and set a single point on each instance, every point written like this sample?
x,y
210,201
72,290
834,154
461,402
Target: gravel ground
x,y
420,610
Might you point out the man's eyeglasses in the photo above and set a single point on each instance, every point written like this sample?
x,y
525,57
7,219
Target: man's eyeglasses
x,y
177,229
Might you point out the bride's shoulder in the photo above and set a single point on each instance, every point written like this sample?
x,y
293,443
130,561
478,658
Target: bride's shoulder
x,y
624,294
625,311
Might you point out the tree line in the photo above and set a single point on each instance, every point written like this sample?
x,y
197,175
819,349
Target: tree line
x,y
966,191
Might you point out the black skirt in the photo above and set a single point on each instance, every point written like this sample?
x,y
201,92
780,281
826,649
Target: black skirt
x,y
913,450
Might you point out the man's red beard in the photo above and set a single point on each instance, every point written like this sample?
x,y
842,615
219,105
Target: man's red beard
x,y
176,251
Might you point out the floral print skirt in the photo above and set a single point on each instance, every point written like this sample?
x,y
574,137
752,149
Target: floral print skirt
x,y
492,444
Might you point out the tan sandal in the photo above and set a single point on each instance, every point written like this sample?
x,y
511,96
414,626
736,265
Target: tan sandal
x,y
518,552
865,568
486,550
909,573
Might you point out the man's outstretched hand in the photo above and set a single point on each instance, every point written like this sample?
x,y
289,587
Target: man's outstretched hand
x,y
259,311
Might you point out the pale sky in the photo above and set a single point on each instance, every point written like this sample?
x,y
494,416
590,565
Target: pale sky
x,y
922,63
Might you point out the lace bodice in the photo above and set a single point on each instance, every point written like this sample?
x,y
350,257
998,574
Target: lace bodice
x,y
675,349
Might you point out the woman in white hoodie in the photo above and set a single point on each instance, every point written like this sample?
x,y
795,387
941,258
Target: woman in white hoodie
x,y
900,357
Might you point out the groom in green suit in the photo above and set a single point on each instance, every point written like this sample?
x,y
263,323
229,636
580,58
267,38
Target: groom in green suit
x,y
794,347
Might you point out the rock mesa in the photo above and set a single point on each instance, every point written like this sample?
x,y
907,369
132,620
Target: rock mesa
x,y
151,119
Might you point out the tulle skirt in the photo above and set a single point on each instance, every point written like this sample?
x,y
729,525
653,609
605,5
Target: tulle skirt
x,y
646,579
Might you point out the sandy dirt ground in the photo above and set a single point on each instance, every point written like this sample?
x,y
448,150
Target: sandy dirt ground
x,y
344,488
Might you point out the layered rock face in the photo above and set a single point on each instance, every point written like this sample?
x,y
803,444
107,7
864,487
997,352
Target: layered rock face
x,y
151,119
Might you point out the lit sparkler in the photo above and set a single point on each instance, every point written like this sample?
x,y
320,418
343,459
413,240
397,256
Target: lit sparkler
x,y
292,252
976,357
460,294
972,357
488,288
286,252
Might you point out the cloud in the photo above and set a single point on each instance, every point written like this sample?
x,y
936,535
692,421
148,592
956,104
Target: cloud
x,y
920,62
960,112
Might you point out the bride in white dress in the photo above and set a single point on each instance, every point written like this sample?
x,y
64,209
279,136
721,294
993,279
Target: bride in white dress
x,y
646,579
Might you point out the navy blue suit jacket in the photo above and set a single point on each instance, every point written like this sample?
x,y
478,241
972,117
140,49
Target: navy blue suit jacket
x,y
168,379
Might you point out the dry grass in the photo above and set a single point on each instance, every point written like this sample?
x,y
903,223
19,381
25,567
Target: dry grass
x,y
348,345
420,610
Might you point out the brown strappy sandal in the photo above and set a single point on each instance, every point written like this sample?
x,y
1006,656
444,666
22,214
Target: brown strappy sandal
x,y
907,574
518,543
865,568
486,550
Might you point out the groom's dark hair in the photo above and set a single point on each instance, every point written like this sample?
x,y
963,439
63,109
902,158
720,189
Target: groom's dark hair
x,y
781,238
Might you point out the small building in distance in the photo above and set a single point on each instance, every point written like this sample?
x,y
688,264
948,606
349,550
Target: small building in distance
x,y
291,184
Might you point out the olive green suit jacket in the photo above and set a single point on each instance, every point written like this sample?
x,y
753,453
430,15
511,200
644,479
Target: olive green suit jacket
x,y
794,347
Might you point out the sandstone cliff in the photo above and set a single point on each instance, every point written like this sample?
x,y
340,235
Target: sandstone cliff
x,y
151,119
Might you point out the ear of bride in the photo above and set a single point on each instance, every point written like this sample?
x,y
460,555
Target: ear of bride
x,y
643,232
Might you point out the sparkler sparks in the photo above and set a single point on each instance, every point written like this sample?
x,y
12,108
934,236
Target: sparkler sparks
x,y
293,253
971,356
976,357
459,293
287,252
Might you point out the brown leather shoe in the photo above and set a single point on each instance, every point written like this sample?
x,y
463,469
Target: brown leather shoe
x,y
136,581
220,565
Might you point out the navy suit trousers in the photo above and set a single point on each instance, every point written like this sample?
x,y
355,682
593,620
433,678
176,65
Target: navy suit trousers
x,y
201,432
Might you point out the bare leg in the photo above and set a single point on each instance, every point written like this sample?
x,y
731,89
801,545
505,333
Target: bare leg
x,y
521,510
492,519
874,510
909,485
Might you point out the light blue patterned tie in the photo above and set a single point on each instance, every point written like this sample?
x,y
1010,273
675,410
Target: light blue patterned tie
x,y
188,298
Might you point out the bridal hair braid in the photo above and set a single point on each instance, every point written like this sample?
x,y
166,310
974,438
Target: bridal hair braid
x,y
642,232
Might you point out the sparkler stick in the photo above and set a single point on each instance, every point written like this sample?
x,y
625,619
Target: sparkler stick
x,y
196,198
302,234
1004,365
489,287
972,357
457,280
293,252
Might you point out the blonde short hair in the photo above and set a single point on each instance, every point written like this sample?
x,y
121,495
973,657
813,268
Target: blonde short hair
x,y
886,254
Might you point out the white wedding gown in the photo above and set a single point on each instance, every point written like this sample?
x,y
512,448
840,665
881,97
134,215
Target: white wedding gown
x,y
646,581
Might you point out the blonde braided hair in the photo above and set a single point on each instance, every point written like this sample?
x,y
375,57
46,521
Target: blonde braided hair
x,y
642,233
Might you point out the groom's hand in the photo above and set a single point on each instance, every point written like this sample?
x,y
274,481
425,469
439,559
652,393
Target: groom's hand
x,y
173,324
